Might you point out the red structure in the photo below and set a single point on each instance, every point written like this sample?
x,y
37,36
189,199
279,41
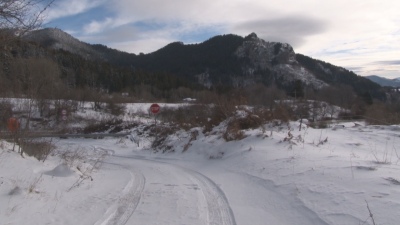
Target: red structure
x,y
13,124
155,108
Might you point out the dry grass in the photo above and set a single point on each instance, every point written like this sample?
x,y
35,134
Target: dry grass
x,y
193,136
33,185
84,161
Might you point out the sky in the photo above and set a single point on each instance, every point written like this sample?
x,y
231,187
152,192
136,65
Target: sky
x,y
360,35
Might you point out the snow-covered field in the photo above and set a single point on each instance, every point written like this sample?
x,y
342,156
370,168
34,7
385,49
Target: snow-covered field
x,y
279,176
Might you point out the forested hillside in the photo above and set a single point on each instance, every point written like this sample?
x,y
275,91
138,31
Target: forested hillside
x,y
215,55
26,64
335,75
214,63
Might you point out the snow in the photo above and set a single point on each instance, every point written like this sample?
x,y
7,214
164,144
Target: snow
x,y
189,99
280,175
61,170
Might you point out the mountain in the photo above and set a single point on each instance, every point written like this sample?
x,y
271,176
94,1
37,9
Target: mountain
x,y
231,60
227,60
57,39
24,61
339,76
384,81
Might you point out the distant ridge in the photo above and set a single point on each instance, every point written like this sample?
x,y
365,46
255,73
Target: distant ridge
x,y
384,81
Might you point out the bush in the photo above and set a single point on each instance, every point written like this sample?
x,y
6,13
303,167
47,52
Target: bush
x,y
113,125
233,133
40,149
383,114
187,117
115,108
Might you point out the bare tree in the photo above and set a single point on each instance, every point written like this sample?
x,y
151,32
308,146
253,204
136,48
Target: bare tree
x,y
324,110
21,16
332,110
315,109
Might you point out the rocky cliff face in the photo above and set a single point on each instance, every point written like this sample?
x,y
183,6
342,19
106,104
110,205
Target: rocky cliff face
x,y
265,54
277,57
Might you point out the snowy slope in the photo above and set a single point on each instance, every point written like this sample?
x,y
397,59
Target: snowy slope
x,y
280,176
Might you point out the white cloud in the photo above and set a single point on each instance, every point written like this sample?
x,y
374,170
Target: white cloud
x,y
64,8
119,34
96,27
290,29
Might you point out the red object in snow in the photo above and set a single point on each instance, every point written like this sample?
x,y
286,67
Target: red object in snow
x,y
155,108
13,124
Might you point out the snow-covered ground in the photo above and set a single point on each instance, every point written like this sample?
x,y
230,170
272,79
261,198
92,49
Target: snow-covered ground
x,y
277,176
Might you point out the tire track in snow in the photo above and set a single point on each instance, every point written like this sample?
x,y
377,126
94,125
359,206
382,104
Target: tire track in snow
x,y
129,199
119,213
219,211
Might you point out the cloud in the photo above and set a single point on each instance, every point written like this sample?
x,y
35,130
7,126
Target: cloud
x,y
96,27
355,69
64,8
290,29
119,34
388,62
170,11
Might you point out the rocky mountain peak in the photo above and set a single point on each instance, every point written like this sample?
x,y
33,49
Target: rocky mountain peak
x,y
277,57
266,54
251,36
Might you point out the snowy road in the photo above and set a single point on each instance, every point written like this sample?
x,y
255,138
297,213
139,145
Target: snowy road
x,y
164,193
164,190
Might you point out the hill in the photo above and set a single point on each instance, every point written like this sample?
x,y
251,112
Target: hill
x,y
228,60
35,70
223,62
384,81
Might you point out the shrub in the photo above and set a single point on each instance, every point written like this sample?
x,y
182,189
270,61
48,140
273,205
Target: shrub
x,y
383,114
283,112
40,149
189,116
113,125
238,123
163,132
233,133
115,108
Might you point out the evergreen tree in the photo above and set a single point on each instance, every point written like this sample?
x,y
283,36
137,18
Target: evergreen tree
x,y
298,89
